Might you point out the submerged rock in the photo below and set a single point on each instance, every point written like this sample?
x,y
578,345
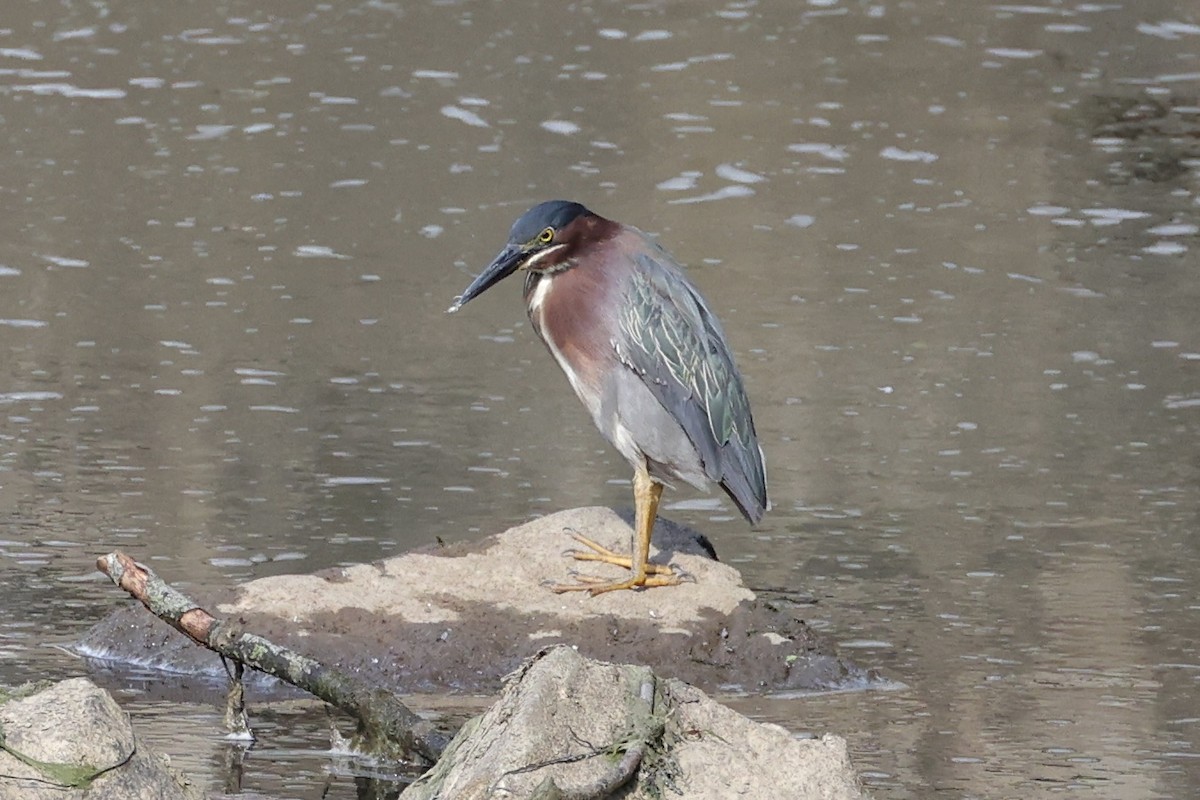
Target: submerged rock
x,y
461,617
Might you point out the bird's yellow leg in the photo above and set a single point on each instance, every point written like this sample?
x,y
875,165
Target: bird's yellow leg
x,y
646,494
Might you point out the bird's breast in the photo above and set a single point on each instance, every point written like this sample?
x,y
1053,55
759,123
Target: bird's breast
x,y
570,312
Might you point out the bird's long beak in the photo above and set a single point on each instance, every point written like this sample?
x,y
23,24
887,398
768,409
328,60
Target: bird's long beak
x,y
503,265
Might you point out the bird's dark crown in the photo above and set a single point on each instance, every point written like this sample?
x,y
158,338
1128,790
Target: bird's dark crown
x,y
556,214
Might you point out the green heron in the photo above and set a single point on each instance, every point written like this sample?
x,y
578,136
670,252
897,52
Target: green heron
x,y
646,357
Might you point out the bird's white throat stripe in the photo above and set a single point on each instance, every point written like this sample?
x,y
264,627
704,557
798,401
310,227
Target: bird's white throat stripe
x,y
539,293
538,256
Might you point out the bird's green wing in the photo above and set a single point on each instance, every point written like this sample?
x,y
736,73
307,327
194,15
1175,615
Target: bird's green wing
x,y
678,348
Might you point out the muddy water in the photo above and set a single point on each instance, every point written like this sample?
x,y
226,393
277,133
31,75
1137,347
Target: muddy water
x,y
954,246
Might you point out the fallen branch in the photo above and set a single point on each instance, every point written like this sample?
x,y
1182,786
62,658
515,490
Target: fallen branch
x,y
386,727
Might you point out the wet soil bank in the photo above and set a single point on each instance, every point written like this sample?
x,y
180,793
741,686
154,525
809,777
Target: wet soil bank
x,y
459,618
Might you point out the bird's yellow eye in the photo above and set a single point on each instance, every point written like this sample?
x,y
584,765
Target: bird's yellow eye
x,y
546,236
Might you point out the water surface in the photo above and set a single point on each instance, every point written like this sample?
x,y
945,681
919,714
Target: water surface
x,y
953,246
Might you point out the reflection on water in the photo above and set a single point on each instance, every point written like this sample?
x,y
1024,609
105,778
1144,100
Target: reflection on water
x,y
292,756
953,247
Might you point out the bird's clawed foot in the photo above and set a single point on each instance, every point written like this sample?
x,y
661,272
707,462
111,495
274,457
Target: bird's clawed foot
x,y
602,553
594,586
651,575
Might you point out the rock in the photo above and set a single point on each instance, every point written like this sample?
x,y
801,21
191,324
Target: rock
x,y
461,617
75,724
567,719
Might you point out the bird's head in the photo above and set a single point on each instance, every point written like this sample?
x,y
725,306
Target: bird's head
x,y
545,237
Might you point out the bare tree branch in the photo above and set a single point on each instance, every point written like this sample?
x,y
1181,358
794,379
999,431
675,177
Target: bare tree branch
x,y
386,727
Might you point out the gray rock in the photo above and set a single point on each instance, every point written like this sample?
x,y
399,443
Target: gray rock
x,y
76,724
567,719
